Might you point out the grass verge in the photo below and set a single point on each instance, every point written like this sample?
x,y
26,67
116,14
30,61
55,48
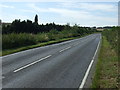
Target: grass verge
x,y
10,51
106,74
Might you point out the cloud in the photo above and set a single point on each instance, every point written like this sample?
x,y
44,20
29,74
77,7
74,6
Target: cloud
x,y
80,13
26,10
6,6
83,16
63,12
90,6
70,13
37,9
11,17
100,7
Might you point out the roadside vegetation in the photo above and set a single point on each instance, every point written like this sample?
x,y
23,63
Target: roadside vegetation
x,y
22,35
107,74
14,40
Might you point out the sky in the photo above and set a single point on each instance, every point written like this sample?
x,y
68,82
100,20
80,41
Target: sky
x,y
81,13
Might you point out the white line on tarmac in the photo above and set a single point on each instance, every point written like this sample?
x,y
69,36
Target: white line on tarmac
x,y
64,49
96,51
86,75
28,65
3,77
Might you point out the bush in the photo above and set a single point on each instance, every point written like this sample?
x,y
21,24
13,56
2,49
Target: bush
x,y
41,37
112,36
17,40
14,40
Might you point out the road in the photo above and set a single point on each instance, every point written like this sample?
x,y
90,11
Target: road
x,y
61,65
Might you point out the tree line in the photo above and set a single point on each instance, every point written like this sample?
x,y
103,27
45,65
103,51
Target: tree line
x,y
24,33
28,26
18,26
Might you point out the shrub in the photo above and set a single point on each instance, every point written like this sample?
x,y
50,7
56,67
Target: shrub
x,y
112,36
17,40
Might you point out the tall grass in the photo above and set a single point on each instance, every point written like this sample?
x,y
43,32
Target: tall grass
x,y
17,40
112,37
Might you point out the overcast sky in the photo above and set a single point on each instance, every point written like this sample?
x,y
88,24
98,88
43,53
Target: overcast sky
x,y
83,13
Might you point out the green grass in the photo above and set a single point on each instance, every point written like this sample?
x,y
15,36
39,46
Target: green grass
x,y
10,51
106,74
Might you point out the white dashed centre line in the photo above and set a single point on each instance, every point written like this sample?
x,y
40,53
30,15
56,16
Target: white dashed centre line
x,y
3,77
64,49
28,65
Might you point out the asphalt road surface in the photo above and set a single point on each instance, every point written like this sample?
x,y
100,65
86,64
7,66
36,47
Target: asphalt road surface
x,y
62,65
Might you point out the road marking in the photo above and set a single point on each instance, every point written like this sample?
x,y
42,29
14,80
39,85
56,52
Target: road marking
x,y
64,49
3,77
31,63
79,43
86,74
96,51
76,44
88,70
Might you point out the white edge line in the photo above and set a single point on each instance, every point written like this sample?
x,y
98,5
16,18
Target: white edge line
x,y
86,74
64,49
88,70
96,51
31,63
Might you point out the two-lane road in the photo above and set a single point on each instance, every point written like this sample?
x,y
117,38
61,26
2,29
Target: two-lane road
x,y
61,65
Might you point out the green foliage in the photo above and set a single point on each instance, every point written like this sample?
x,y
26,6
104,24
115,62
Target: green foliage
x,y
106,73
23,33
14,50
17,40
41,37
36,19
112,36
14,40
28,26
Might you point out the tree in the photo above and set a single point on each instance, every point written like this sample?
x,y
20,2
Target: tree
x,y
36,19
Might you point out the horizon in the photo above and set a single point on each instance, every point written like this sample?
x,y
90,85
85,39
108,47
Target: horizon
x,y
62,24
